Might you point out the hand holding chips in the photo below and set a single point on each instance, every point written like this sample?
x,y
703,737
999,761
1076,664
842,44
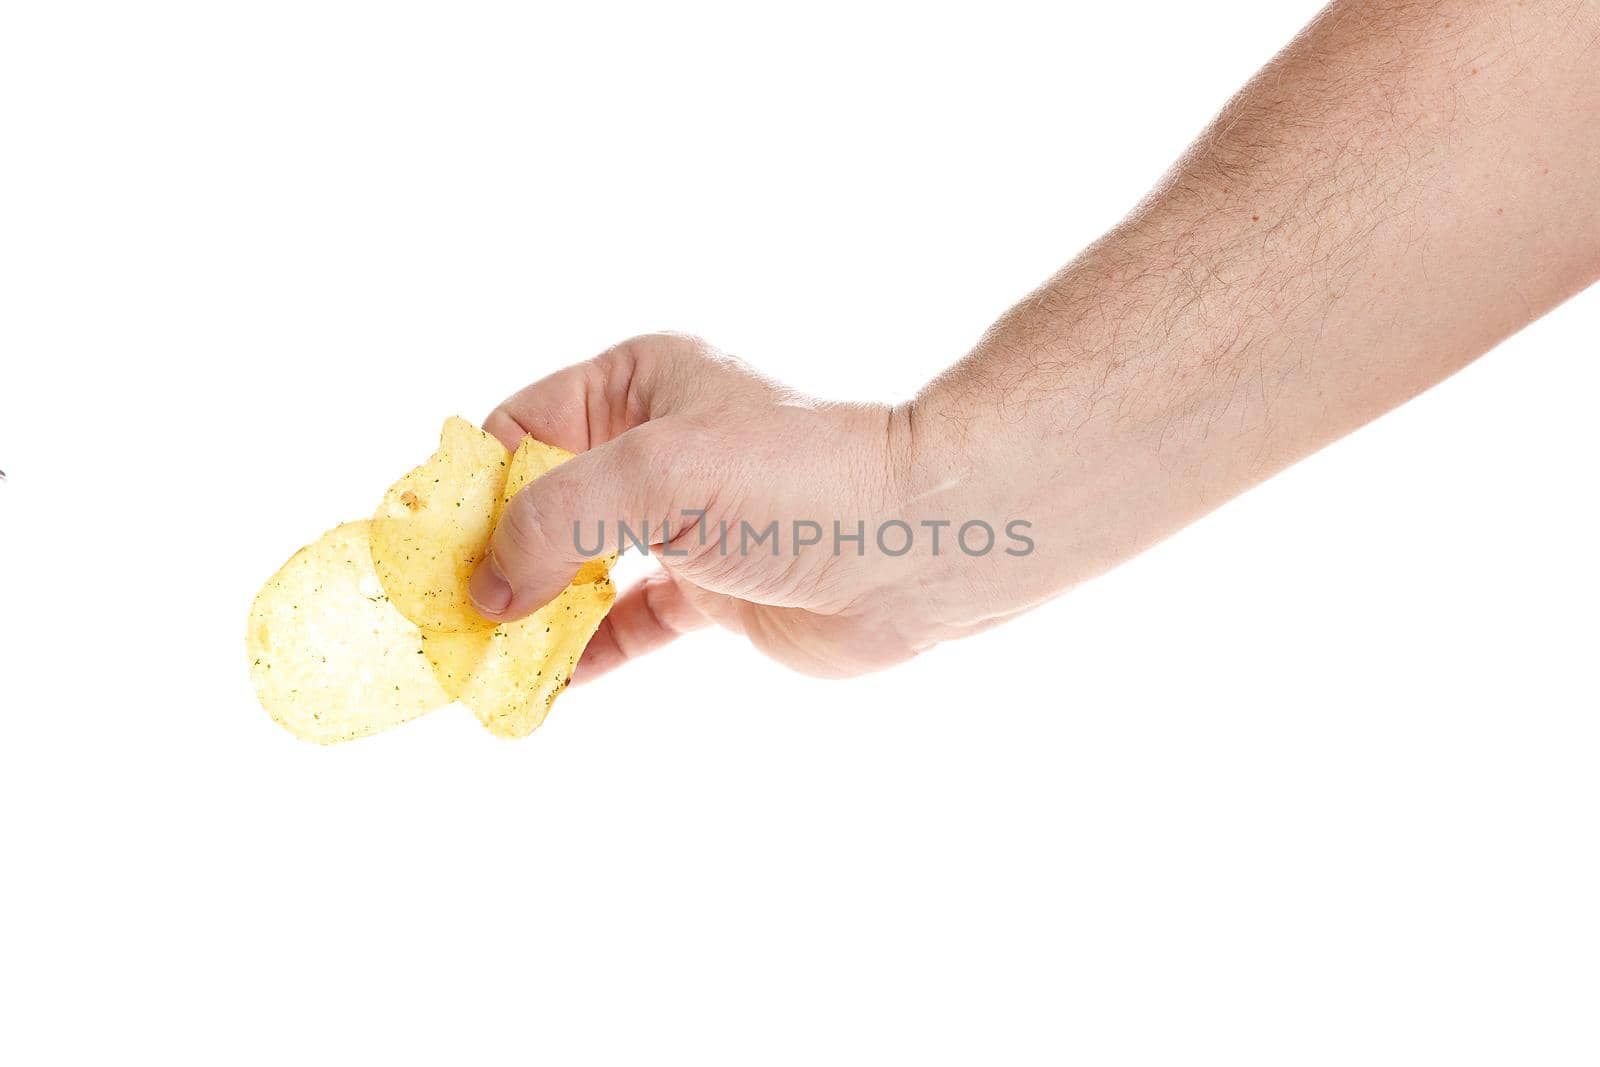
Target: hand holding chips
x,y
371,625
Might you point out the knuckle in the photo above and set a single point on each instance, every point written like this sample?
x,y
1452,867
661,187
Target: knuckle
x,y
693,435
663,455
653,373
633,451
648,349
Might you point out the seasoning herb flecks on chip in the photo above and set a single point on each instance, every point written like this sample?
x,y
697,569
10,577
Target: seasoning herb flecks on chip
x,y
330,656
371,626
433,528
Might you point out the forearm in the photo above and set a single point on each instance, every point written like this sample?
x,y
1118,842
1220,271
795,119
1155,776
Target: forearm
x,y
1403,187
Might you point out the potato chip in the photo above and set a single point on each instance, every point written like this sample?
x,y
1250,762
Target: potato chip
x,y
528,663
454,657
432,529
330,656
532,458
372,625
510,676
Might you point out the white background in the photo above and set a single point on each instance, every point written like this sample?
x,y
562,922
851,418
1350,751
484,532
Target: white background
x,y
1314,782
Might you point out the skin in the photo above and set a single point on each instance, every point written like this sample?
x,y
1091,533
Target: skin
x,y
1404,186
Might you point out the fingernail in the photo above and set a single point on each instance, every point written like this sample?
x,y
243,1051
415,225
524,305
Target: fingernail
x,y
488,588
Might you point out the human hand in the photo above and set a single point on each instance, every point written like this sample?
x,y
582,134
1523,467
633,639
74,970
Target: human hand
x,y
664,424
1330,247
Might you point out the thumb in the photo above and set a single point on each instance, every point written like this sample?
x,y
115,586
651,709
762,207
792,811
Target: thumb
x,y
559,521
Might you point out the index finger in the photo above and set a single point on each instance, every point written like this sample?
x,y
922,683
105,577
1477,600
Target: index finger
x,y
586,404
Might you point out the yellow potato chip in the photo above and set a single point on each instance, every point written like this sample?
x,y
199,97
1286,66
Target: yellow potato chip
x,y
454,657
372,626
433,527
510,676
532,458
528,663
330,656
